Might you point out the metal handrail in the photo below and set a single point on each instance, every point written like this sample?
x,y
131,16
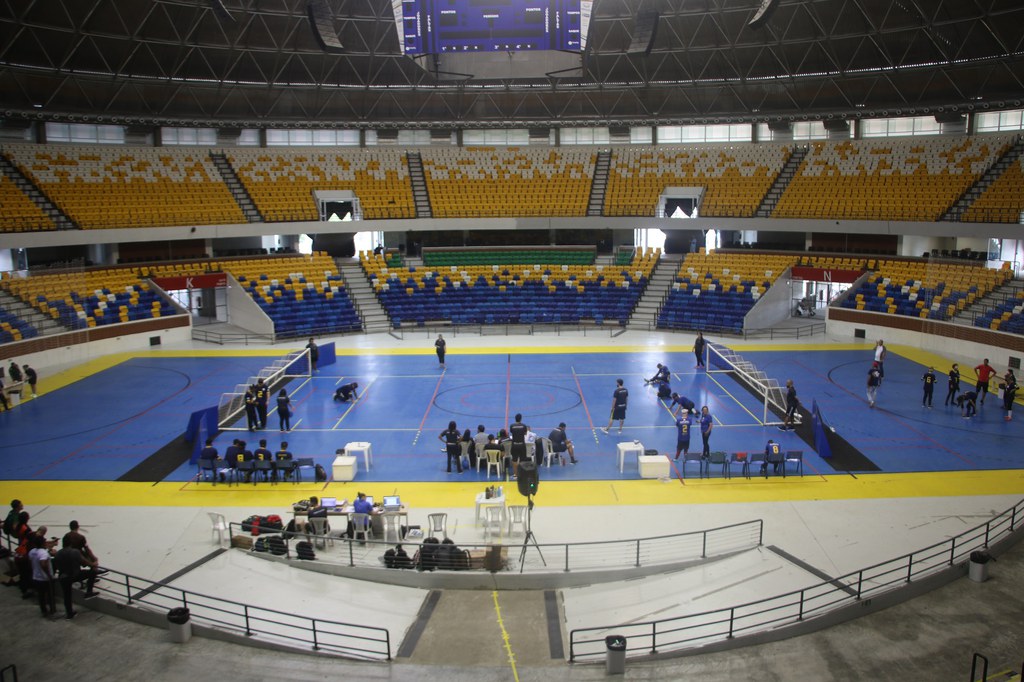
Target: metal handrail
x,y
574,556
699,629
352,640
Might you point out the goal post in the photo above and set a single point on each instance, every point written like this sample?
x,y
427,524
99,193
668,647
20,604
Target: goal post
x,y
294,365
723,360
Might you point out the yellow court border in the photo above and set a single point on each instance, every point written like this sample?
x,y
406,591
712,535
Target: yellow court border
x,y
457,494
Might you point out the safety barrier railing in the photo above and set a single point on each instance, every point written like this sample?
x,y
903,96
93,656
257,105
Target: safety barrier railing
x,y
564,557
708,627
350,640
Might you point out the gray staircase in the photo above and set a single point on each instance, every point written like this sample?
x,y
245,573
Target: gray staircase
x,y
645,315
235,186
42,323
418,179
375,319
999,295
782,180
965,201
59,218
595,206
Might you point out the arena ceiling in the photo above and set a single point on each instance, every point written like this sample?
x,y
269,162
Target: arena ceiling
x,y
182,62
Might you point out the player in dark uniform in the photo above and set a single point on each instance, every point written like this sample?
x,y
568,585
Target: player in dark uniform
x,y
1009,386
681,402
792,403
707,423
683,424
560,444
251,416
953,385
314,353
347,392
619,400
450,437
773,456
698,349
929,387
284,410
31,378
968,404
663,374
262,393
517,432
440,348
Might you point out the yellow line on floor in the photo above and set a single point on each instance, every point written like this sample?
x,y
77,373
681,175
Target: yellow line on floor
x,y
505,638
552,493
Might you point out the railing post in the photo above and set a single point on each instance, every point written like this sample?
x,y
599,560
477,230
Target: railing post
x,y
316,644
988,528
654,637
638,553
952,551
1013,517
800,616
351,557
245,613
910,567
732,616
860,582
387,642
567,557
760,532
704,545
128,587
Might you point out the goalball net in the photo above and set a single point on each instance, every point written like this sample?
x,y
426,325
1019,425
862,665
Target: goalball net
x,y
295,365
721,359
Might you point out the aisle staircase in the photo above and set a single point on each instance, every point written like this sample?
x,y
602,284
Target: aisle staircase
x,y
957,210
235,186
1000,294
27,187
40,322
645,315
599,185
782,180
418,180
374,317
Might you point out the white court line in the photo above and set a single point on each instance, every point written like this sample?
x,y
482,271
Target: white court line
x,y
354,403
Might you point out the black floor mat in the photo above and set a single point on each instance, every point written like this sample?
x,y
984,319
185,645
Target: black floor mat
x,y
161,463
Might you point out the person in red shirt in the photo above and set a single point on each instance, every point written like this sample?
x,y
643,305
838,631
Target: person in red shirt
x,y
984,372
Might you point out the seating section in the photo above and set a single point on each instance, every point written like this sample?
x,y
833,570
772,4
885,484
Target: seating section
x,y
111,187
736,177
551,256
1005,317
714,292
18,213
13,328
1003,201
540,293
510,181
935,291
303,295
281,181
91,298
892,179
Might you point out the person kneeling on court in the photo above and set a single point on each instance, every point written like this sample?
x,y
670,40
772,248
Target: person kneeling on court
x,y
682,402
347,392
662,375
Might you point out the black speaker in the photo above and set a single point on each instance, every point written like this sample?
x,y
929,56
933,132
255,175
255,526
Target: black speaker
x,y
323,26
528,478
644,32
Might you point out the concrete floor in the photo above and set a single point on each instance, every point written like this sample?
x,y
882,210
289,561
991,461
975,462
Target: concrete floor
x,y
929,638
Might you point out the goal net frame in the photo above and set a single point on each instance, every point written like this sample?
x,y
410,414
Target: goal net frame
x,y
294,365
721,359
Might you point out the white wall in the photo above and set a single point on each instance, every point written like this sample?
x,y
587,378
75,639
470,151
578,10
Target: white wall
x,y
915,245
773,306
244,312
967,353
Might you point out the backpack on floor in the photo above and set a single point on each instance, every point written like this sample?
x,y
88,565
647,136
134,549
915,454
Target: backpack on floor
x,y
277,545
304,550
272,522
262,544
320,473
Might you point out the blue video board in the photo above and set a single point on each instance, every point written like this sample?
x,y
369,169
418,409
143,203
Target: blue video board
x,y
461,26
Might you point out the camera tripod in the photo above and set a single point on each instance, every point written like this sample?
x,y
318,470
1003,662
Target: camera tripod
x,y
529,536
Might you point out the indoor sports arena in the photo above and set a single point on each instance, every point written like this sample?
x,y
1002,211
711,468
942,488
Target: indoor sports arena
x,y
515,340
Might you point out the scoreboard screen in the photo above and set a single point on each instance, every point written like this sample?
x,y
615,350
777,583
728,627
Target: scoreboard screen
x,y
463,26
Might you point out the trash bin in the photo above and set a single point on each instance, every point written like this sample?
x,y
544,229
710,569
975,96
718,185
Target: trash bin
x,y
978,568
615,654
179,625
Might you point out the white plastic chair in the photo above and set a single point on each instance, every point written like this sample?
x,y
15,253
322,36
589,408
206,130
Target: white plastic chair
x,y
494,522
516,517
361,526
392,526
548,451
219,527
321,536
438,524
493,461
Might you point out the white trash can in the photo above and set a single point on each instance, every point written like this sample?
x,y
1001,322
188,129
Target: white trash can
x,y
978,567
179,624
615,654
